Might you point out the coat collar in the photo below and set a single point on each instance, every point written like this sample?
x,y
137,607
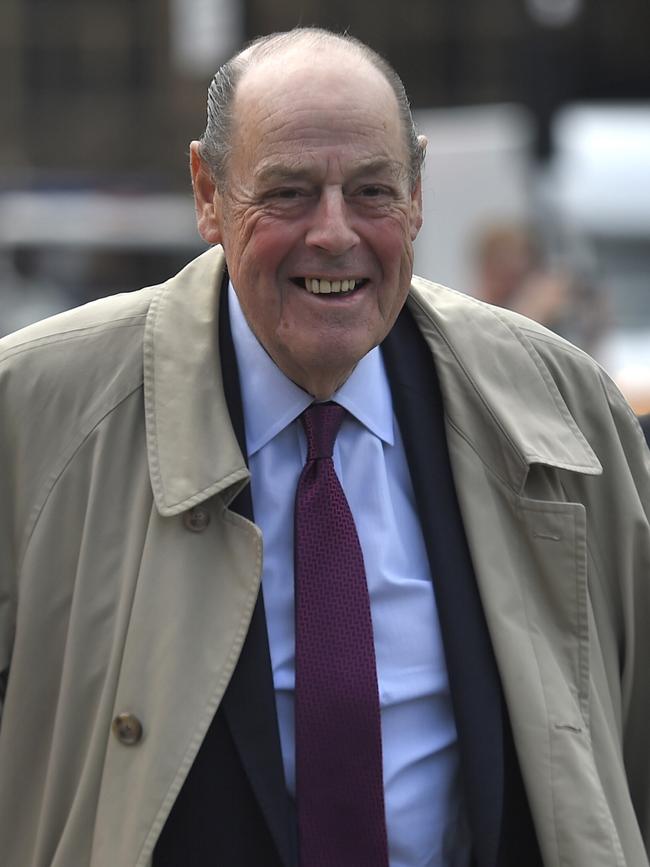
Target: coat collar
x,y
193,451
505,404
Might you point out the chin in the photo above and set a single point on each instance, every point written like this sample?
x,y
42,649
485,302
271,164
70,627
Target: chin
x,y
341,355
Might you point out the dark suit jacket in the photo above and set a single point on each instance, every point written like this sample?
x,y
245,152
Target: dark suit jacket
x,y
234,809
644,420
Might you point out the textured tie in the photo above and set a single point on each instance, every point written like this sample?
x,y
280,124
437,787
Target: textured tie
x,y
339,783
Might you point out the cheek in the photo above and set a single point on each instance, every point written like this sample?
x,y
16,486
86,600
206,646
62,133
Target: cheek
x,y
394,249
256,257
266,244
392,242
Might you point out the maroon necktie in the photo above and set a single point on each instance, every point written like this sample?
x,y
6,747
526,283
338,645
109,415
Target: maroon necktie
x,y
339,783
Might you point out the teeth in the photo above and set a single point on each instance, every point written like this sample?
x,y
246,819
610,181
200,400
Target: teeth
x,y
319,287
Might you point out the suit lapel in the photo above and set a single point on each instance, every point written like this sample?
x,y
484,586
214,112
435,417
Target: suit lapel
x,y
474,680
249,702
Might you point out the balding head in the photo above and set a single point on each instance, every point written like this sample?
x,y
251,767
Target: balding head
x,y
216,142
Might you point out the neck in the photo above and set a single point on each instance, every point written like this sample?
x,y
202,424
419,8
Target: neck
x,y
321,385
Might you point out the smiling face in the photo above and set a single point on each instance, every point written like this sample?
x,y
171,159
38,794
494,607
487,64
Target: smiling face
x,y
316,215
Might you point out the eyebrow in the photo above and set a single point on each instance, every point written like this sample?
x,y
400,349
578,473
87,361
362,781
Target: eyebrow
x,y
281,173
286,173
394,168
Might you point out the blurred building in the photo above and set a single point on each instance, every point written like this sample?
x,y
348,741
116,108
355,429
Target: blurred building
x,y
89,95
96,87
99,99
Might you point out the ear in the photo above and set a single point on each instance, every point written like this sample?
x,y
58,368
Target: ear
x,y
416,195
415,214
207,200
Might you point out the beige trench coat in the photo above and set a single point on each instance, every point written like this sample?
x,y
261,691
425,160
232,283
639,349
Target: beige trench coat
x,y
114,427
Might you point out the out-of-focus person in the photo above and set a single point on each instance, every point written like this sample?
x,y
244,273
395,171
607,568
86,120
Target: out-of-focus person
x,y
512,272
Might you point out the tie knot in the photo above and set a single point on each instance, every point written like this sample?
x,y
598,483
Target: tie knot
x,y
321,422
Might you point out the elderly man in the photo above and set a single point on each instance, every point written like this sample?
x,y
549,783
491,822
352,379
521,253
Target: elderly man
x,y
419,636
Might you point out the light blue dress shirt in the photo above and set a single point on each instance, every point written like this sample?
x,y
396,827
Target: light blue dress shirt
x,y
425,815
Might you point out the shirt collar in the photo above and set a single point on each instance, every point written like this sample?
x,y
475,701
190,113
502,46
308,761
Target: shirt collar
x,y
271,400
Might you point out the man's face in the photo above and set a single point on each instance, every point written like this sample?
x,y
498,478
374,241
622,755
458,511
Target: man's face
x,y
317,215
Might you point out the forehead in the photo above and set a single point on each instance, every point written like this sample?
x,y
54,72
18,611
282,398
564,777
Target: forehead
x,y
299,108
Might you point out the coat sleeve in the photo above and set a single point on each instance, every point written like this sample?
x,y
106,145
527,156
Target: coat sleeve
x,y
24,438
630,514
618,533
617,505
7,537
645,427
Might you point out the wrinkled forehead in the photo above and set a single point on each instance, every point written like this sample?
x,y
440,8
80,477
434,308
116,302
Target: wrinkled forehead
x,y
303,104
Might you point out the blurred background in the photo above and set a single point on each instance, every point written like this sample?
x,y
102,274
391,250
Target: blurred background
x,y
537,183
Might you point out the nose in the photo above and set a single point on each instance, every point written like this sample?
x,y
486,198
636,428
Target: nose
x,y
330,229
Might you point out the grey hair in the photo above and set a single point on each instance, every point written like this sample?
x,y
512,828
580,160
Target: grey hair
x,y
215,143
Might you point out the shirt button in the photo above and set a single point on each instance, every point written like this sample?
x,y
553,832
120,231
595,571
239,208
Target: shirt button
x,y
127,728
196,519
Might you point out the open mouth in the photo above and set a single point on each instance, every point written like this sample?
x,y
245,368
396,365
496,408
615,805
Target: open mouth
x,y
318,286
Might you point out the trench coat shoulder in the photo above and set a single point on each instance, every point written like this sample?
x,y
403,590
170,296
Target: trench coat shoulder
x,y
58,379
76,330
466,318
470,327
68,349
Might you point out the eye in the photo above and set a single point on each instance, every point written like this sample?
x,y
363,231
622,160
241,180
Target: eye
x,y
374,194
372,191
286,193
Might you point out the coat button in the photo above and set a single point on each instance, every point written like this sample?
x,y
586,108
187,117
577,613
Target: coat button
x,y
127,728
197,519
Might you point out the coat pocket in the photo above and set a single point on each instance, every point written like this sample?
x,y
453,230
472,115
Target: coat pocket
x,y
556,604
557,611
